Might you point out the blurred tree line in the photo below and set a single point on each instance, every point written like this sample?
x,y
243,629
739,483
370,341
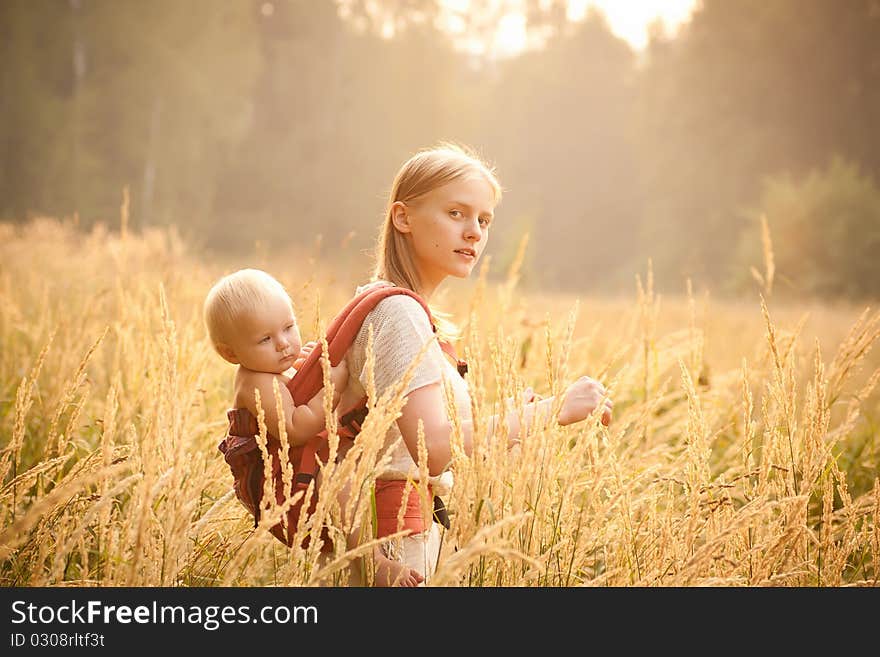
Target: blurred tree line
x,y
250,121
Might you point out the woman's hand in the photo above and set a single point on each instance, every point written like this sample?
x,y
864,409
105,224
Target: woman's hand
x,y
528,396
581,398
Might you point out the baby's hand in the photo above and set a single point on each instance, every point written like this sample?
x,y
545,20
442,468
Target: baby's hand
x,y
304,352
339,378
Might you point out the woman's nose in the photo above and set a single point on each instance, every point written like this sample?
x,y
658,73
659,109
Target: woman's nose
x,y
472,230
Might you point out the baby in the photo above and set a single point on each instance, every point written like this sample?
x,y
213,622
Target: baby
x,y
251,323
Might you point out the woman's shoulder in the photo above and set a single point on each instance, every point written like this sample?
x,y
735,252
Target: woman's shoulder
x,y
399,310
396,308
399,324
400,327
371,285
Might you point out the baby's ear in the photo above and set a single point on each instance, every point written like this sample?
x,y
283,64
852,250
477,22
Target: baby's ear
x,y
228,353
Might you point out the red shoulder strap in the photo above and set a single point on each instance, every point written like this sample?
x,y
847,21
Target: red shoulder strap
x,y
340,334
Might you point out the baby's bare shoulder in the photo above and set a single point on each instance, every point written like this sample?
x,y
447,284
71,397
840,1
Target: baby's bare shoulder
x,y
246,381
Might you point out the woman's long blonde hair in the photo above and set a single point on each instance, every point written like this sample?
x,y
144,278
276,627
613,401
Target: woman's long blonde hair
x,y
425,171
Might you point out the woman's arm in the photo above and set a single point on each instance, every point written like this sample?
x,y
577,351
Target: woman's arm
x,y
427,404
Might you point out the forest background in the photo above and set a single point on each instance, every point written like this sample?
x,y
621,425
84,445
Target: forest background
x,y
250,124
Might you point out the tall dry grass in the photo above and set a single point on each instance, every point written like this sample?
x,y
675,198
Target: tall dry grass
x,y
743,450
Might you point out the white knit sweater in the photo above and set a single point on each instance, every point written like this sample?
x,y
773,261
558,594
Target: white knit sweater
x,y
400,329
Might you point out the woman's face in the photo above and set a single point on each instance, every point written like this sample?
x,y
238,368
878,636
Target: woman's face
x,y
447,228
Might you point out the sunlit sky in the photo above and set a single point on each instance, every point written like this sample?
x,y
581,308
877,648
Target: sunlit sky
x,y
628,19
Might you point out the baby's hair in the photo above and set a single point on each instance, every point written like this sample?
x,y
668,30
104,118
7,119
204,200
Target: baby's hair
x,y
235,295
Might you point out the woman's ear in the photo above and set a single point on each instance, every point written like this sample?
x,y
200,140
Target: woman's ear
x,y
399,217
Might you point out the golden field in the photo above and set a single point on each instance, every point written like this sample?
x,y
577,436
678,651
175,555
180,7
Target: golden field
x,y
743,450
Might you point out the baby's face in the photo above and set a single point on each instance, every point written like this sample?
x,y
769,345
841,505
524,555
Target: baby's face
x,y
268,341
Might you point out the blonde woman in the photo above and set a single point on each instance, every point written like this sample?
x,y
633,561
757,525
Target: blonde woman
x,y
439,215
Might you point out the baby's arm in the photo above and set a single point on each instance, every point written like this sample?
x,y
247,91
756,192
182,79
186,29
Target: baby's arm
x,y
263,383
300,422
338,374
308,418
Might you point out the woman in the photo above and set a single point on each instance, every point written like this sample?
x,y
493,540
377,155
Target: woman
x,y
439,213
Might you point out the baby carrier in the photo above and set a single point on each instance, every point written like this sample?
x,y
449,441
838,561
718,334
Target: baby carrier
x,y
242,452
